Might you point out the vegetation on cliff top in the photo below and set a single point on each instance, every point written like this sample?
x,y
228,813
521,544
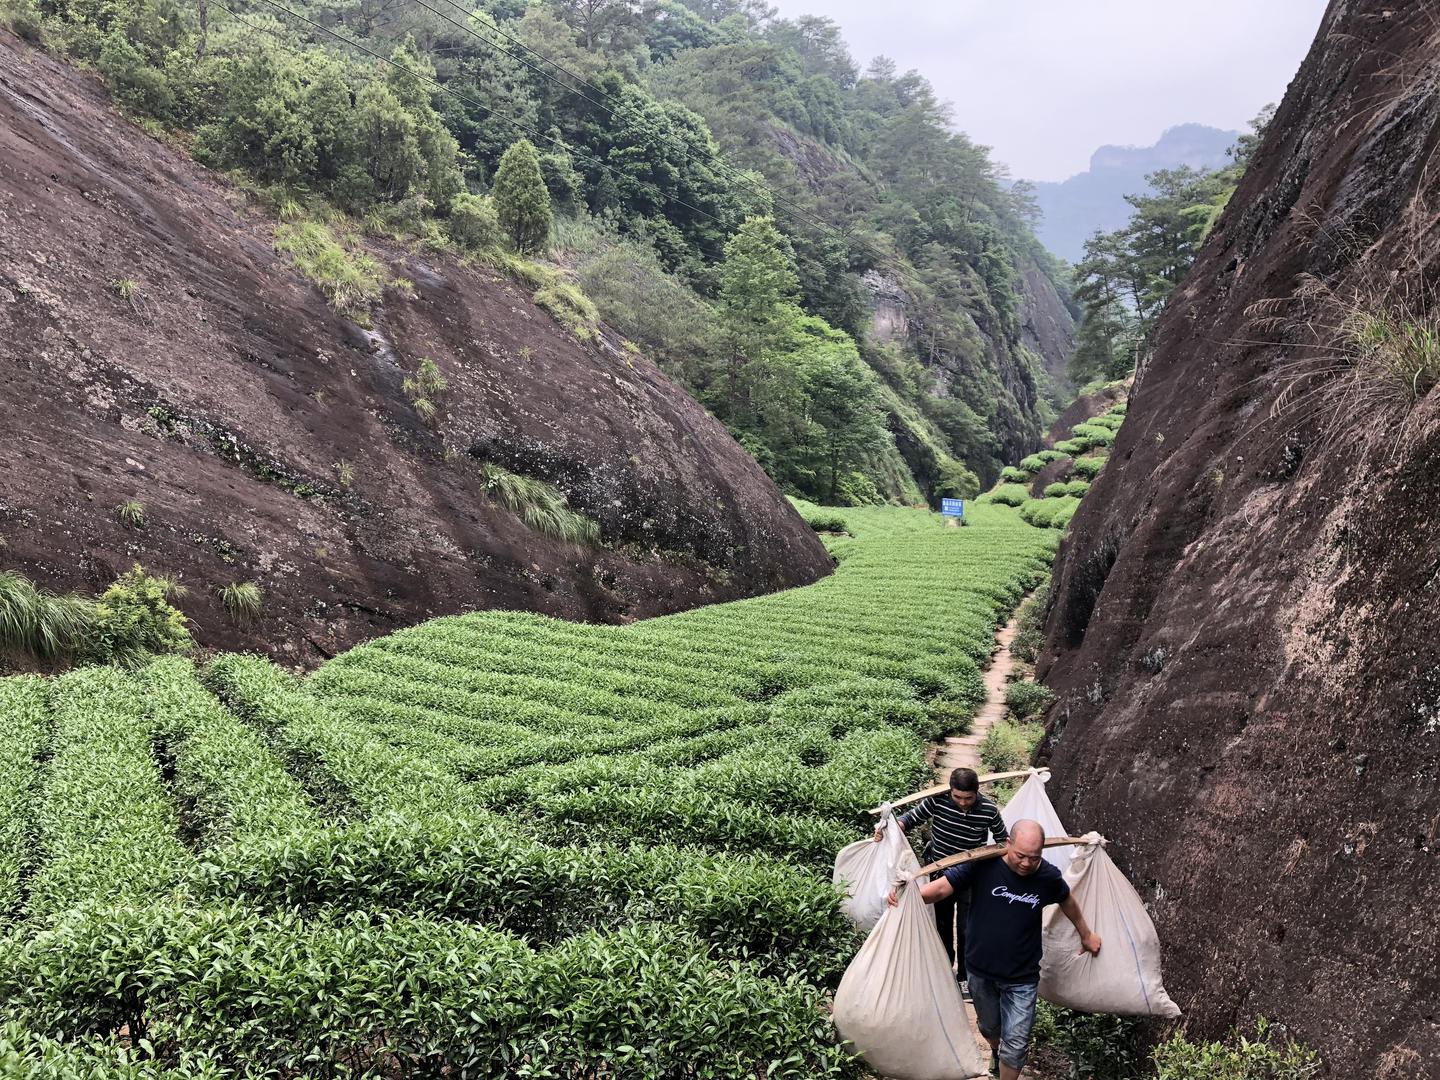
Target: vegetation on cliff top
x,y
1126,276
650,134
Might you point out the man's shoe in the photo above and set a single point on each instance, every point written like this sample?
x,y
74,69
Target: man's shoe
x,y
994,1063
965,990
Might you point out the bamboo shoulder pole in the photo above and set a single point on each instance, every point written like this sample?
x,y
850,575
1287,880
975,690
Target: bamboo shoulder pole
x,y
985,778
989,851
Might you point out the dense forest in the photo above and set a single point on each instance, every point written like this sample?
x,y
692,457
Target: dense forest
x,y
727,188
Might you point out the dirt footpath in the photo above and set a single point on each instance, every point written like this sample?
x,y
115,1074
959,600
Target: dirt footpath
x,y
963,751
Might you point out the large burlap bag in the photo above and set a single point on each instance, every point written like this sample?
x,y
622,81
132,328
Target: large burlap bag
x,y
1032,802
1125,977
865,870
899,1004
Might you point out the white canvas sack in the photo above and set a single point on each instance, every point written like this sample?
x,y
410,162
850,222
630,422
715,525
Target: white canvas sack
x,y
899,1004
1125,977
1032,802
865,870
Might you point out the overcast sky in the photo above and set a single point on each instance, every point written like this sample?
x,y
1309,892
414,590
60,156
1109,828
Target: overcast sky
x,y
1046,82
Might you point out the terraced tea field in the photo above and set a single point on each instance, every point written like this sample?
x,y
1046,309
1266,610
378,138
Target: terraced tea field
x,y
491,845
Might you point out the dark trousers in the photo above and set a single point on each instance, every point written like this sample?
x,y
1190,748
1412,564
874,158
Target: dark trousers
x,y
950,916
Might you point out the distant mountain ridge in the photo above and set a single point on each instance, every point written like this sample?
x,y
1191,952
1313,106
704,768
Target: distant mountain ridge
x,y
1073,209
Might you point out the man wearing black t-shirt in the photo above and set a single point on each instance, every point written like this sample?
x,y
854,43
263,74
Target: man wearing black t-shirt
x,y
1002,937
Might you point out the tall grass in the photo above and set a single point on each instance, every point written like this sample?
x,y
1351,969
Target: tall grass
x,y
243,600
37,625
1374,354
351,282
541,506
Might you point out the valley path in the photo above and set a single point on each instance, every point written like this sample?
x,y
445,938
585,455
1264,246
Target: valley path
x,y
963,751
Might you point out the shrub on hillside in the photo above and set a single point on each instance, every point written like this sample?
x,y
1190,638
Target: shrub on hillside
x,y
1052,513
1030,635
1012,475
23,18
1077,488
1094,434
1072,447
1007,495
139,88
1264,1057
639,298
1088,467
134,618
473,223
1056,490
1008,746
1037,461
827,523
1027,699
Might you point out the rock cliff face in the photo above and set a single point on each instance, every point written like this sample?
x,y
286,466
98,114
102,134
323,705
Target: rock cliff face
x,y
1246,631
1047,325
154,347
1008,366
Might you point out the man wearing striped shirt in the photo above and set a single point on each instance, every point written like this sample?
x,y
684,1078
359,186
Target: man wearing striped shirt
x,y
960,819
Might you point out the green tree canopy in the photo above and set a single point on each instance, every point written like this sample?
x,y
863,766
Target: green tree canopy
x,y
522,202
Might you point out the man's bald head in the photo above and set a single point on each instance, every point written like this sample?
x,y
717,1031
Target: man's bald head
x,y
1028,832
1024,848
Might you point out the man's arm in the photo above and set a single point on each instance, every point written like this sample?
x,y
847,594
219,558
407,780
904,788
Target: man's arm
x,y
997,824
930,891
1089,940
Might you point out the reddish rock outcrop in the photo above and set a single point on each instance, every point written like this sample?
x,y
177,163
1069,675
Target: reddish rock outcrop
x,y
154,347
1246,631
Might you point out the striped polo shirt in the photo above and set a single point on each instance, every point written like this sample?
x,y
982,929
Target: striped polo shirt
x,y
953,830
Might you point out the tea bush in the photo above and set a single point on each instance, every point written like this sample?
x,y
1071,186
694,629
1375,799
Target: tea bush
x,y
1049,513
496,844
27,732
1025,699
1268,1056
1097,1046
1007,495
1030,634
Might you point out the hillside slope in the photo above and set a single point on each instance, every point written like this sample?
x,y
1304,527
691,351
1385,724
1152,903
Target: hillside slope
x,y
154,347
1246,635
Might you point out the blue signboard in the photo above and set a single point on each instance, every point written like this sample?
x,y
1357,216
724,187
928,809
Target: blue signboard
x,y
952,507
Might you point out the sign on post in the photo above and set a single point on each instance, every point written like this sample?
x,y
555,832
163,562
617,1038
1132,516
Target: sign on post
x,y
952,507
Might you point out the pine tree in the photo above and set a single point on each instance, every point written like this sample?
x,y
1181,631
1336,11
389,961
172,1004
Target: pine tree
x,y
521,200
758,289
